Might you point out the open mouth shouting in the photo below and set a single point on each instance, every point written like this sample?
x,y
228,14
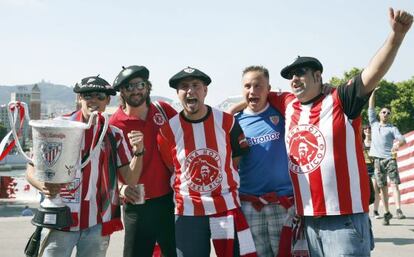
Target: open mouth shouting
x,y
92,108
253,100
297,88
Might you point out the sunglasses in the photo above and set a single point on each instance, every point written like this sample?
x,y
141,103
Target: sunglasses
x,y
386,112
298,72
132,86
99,95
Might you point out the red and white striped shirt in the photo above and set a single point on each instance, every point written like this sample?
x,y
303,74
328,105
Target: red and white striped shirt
x,y
85,194
326,160
204,181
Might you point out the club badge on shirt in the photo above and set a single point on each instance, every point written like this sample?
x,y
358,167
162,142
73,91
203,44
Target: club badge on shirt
x,y
203,168
158,119
307,148
274,119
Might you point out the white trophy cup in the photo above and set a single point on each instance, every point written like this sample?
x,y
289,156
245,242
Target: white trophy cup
x,y
56,158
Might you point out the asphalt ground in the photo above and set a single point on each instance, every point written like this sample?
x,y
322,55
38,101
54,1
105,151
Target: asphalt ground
x,y
396,239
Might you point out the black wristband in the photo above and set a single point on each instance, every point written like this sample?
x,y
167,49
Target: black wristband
x,y
139,153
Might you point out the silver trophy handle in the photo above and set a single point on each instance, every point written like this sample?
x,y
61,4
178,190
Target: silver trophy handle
x,y
98,145
13,120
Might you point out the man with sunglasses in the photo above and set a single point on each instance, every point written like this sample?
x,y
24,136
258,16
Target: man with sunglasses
x,y
93,196
153,221
332,189
385,141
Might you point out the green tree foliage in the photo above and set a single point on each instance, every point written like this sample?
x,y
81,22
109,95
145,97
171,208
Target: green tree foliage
x,y
403,106
399,96
335,81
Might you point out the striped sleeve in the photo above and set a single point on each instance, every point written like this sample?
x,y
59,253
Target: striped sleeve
x,y
123,154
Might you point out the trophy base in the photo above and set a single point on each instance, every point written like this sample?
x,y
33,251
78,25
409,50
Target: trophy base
x,y
55,218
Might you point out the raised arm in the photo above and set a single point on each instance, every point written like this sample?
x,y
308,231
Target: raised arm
x,y
371,103
400,22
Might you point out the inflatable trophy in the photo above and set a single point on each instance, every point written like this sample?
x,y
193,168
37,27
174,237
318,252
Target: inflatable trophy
x,y
56,158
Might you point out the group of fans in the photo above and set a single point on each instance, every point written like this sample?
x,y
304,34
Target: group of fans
x,y
236,181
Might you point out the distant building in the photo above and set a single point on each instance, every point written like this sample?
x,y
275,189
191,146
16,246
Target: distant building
x,y
35,103
4,117
229,101
22,95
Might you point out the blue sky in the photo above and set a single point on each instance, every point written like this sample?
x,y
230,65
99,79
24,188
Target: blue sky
x,y
64,41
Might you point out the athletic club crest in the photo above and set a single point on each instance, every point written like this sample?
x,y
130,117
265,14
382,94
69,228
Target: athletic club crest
x,y
202,170
306,148
274,119
158,119
50,152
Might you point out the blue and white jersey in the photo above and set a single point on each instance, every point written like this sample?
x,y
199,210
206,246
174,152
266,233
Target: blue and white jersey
x,y
265,168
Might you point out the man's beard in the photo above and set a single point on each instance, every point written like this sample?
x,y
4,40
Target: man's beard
x,y
135,102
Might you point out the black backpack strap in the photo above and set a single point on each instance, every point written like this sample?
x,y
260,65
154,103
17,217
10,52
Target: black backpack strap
x,y
33,245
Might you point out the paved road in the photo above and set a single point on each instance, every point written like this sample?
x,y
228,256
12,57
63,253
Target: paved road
x,y
397,239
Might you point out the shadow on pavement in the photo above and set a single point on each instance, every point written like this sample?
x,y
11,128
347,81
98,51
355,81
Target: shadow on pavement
x,y
395,241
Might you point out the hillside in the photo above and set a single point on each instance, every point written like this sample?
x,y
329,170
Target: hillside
x,y
56,95
49,93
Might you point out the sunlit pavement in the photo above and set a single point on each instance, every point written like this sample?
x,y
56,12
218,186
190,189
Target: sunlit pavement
x,y
397,239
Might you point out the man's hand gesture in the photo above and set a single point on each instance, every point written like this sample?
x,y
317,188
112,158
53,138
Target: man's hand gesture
x,y
136,139
400,21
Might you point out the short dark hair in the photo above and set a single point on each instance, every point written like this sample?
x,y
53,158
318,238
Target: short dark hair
x,y
386,107
257,68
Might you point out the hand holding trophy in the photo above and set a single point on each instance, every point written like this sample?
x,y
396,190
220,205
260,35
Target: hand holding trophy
x,y
55,169
56,148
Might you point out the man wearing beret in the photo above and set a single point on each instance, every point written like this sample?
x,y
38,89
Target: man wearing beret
x,y
152,221
93,196
202,146
332,188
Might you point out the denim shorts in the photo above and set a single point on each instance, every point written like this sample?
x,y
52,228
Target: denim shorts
x,y
339,235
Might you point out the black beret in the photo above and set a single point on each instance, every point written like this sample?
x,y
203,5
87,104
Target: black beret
x,y
187,73
301,61
94,84
129,73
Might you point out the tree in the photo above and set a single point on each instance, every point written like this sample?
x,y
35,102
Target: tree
x,y
399,96
403,106
335,81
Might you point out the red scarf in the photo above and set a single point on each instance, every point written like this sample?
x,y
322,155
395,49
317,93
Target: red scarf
x,y
299,243
223,227
287,246
110,211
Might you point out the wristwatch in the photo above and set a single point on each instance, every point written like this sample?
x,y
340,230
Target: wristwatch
x,y
139,153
